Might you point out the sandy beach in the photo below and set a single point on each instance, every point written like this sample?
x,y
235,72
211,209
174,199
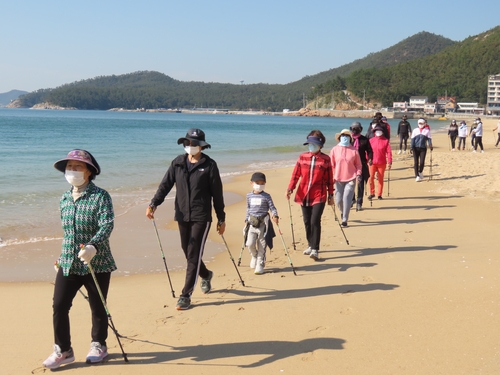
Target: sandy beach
x,y
416,291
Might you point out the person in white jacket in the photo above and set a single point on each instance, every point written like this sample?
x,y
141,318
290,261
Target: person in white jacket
x,y
462,134
478,131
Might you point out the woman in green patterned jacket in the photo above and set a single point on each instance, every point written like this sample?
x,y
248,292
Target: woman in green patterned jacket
x,y
87,220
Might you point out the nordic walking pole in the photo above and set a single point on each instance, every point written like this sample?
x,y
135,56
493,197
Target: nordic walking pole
x,y
163,256
286,250
388,181
291,224
111,324
245,233
340,226
430,176
232,260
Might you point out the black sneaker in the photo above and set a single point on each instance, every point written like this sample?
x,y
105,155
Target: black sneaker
x,y
205,284
370,197
380,198
344,224
183,303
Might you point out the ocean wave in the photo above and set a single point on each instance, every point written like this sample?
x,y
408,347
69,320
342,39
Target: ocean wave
x,y
16,241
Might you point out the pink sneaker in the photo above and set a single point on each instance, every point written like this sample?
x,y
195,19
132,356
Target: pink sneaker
x,y
97,352
59,358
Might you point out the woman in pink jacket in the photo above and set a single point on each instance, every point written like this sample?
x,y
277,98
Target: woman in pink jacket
x,y
346,165
382,158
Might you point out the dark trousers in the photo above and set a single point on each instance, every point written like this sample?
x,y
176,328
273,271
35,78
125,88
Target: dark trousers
x,y
403,139
461,143
312,223
453,138
498,140
419,159
65,290
193,237
478,142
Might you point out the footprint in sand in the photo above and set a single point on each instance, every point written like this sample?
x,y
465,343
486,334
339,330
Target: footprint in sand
x,y
367,279
346,311
163,320
318,329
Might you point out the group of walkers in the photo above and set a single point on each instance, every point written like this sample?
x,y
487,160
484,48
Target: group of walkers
x,y
319,179
476,134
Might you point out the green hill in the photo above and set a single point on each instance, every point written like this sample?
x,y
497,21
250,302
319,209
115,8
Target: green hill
x,y
460,70
7,97
148,89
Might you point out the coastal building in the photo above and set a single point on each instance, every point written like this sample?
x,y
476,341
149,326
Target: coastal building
x,y
493,101
446,103
417,103
430,107
400,106
472,108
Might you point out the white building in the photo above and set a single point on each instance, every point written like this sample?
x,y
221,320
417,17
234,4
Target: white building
x,y
493,101
470,108
430,107
400,106
417,103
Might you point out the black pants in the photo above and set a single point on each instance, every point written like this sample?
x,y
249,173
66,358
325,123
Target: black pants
x,y
419,159
403,139
65,290
461,142
453,138
312,223
193,237
478,142
498,140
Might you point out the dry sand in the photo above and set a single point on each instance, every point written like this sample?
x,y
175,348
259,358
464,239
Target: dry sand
x,y
415,292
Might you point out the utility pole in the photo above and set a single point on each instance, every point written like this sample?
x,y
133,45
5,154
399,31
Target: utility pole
x,y
364,99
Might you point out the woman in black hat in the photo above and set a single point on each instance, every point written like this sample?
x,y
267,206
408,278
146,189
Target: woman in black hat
x,y
87,220
198,184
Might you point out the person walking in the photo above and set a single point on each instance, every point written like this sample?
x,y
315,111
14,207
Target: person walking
x,y
453,133
420,137
313,174
259,203
472,133
404,132
382,159
347,169
87,221
362,144
478,131
198,183
462,135
497,128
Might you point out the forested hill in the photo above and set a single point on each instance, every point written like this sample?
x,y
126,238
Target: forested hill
x,y
413,47
6,97
460,70
156,90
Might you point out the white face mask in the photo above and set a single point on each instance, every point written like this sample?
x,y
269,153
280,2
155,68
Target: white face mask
x,y
313,148
378,133
192,150
75,178
421,125
259,188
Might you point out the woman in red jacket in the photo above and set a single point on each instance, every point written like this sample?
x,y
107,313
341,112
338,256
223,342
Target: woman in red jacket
x,y
382,158
315,188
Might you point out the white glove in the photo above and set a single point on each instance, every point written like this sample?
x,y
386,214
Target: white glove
x,y
87,253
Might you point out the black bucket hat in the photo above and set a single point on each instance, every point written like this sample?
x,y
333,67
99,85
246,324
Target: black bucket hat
x,y
258,176
195,135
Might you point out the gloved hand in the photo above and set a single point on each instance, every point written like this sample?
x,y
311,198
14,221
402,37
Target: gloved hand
x,y
87,253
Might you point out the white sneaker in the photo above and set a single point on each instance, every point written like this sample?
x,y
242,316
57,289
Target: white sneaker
x,y
452,149
473,150
307,251
97,352
418,179
482,151
259,266
314,255
399,152
253,262
59,358
421,176
404,152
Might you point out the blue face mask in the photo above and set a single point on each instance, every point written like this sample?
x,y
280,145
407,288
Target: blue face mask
x,y
313,148
345,140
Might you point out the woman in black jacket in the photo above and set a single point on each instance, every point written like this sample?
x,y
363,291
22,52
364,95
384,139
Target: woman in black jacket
x,y
198,184
366,154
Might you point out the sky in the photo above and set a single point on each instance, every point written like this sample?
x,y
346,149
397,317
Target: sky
x,y
45,44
